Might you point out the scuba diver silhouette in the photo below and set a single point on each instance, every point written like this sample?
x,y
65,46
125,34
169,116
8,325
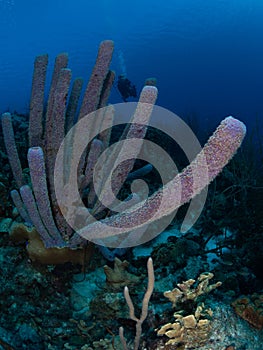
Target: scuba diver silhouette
x,y
126,88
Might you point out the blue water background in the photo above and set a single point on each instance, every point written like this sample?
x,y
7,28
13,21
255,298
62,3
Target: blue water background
x,y
207,55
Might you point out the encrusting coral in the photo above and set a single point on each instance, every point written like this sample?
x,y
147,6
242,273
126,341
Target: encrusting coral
x,y
119,276
250,308
37,252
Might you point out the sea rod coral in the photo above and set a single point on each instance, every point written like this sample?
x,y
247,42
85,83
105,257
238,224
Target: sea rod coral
x,y
37,201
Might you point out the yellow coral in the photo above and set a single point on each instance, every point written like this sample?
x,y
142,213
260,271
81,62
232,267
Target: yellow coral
x,y
187,292
189,330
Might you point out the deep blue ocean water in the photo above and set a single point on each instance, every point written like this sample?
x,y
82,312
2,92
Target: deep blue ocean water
x,y
206,54
207,57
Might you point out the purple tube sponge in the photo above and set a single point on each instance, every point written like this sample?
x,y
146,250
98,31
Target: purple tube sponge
x,y
39,183
217,152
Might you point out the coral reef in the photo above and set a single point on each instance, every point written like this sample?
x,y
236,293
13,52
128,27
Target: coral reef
x,y
44,311
190,330
37,251
187,290
119,276
250,308
51,157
